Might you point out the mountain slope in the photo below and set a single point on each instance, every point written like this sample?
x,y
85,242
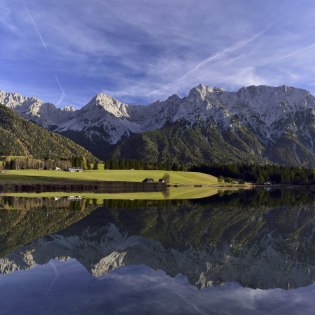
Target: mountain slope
x,y
256,123
21,137
190,144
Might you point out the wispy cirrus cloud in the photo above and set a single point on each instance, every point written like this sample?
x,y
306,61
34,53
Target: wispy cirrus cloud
x,y
140,51
6,21
34,24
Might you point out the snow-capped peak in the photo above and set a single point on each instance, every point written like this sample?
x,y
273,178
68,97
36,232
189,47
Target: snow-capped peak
x,y
13,100
69,109
203,90
269,103
109,104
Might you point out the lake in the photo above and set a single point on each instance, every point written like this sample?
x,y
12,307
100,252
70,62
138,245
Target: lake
x,y
249,252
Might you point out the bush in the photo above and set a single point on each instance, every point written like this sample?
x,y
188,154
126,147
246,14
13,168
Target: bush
x,y
220,179
166,178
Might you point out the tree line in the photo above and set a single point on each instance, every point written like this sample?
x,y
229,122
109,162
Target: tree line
x,y
259,174
225,172
13,163
141,165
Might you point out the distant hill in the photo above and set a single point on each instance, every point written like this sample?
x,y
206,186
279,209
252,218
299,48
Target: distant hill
x,y
21,137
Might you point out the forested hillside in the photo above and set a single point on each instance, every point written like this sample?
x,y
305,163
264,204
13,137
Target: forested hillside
x,y
21,137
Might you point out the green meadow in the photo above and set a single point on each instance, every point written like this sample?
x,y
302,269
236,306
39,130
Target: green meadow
x,y
52,176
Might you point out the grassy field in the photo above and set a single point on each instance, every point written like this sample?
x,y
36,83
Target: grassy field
x,y
172,193
45,176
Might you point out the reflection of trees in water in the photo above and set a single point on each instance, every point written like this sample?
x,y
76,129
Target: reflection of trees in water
x,y
243,237
15,203
25,219
241,199
231,217
260,197
258,239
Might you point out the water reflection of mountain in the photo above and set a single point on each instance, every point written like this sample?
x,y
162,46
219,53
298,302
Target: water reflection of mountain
x,y
259,239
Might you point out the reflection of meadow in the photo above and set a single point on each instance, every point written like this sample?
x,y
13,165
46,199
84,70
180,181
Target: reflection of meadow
x,y
169,194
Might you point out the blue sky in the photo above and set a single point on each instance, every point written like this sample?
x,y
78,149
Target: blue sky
x,y
139,51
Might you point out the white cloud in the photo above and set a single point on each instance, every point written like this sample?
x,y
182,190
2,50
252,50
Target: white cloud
x,y
6,20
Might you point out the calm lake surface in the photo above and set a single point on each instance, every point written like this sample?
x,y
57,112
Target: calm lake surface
x,y
247,252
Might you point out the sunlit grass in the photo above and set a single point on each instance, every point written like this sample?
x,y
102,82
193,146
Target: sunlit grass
x,y
48,176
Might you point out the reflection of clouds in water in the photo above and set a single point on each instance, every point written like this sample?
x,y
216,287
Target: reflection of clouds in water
x,y
139,290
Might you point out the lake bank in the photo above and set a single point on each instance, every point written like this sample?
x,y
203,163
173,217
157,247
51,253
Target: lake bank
x,y
98,187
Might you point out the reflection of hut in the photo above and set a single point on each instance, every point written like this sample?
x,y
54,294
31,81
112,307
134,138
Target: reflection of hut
x,y
74,198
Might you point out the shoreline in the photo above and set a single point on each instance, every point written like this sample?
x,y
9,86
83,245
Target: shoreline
x,y
99,187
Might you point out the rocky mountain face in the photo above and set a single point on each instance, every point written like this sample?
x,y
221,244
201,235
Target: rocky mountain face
x,y
259,246
32,108
256,123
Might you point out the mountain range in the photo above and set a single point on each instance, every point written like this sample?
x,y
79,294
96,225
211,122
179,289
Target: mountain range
x,y
255,124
